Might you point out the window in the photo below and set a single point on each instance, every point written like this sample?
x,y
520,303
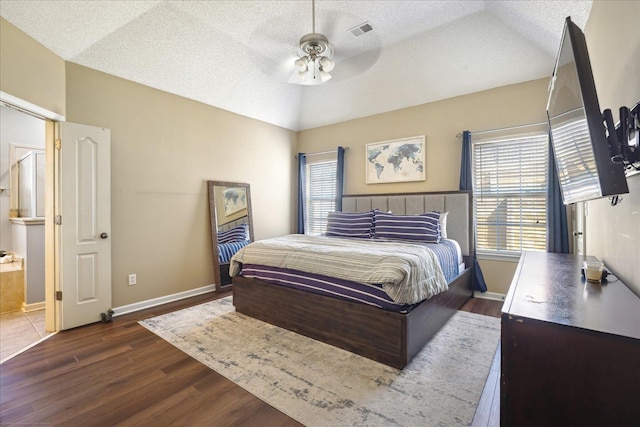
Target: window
x,y
320,197
510,193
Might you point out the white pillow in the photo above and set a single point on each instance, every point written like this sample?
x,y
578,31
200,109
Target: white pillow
x,y
443,224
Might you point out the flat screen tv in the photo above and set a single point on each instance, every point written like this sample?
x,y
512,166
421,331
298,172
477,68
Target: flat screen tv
x,y
578,134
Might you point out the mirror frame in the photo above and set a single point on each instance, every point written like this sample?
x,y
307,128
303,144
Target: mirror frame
x,y
214,225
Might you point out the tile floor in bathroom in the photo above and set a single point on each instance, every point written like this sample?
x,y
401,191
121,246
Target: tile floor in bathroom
x,y
19,329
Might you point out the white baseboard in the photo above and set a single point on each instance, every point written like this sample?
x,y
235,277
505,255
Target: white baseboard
x,y
130,308
33,307
489,295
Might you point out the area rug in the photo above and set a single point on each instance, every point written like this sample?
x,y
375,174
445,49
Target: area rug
x,y
321,385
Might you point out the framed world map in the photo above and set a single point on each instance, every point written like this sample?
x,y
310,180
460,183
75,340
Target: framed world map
x,y
235,199
398,160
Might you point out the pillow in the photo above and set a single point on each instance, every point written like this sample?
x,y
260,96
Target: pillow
x,y
350,224
238,233
443,224
424,227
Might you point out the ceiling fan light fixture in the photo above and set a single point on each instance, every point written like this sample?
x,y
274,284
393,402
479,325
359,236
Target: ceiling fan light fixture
x,y
314,63
314,75
326,64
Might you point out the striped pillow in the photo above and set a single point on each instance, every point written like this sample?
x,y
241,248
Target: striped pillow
x,y
239,233
443,224
227,250
350,224
424,227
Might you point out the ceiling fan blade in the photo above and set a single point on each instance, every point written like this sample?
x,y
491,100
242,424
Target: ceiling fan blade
x,y
280,70
354,66
330,22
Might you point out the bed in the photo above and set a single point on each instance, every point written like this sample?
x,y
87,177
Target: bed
x,y
392,337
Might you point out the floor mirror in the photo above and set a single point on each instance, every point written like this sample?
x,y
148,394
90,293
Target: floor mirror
x,y
231,225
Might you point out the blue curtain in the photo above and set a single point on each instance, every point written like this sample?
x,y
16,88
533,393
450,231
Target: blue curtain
x,y
557,227
466,179
466,183
302,185
339,179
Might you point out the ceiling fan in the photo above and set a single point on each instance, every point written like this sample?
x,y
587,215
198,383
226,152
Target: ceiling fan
x,y
352,50
314,63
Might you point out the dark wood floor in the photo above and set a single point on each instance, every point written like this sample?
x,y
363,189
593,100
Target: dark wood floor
x,y
119,373
488,411
483,306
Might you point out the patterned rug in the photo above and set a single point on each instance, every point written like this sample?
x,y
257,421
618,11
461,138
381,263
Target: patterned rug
x,y
321,385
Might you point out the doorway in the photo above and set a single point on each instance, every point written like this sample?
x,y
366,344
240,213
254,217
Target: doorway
x,y
76,187
22,223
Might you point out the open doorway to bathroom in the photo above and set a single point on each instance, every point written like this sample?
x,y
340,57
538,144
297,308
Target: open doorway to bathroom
x,y
22,237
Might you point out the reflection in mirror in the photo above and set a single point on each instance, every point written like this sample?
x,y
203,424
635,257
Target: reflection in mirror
x,y
231,225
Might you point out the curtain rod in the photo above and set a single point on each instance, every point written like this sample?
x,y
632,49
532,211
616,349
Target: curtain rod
x,y
323,152
505,128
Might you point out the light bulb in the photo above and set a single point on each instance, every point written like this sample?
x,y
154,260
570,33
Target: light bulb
x,y
327,64
301,64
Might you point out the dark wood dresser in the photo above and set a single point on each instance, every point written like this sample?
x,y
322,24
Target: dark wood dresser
x,y
570,349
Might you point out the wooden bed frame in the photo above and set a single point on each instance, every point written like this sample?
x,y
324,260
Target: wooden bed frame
x,y
387,337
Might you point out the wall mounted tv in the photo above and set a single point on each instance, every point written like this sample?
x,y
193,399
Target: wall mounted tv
x,y
578,134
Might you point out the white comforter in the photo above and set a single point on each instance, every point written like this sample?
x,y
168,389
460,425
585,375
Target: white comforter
x,y
408,272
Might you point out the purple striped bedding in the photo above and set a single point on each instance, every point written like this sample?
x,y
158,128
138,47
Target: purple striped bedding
x,y
447,251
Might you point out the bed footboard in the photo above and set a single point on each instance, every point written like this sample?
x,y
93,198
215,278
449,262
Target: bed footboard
x,y
387,337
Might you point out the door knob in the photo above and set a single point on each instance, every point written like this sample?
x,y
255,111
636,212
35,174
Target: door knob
x,y
103,235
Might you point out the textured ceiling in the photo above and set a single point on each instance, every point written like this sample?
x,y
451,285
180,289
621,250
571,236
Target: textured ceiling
x,y
238,55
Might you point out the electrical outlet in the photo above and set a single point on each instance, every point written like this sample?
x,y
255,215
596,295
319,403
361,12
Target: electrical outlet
x,y
132,279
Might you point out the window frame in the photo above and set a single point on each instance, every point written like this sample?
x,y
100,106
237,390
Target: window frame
x,y
513,190
320,192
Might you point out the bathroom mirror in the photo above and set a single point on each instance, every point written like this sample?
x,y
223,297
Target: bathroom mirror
x,y
231,225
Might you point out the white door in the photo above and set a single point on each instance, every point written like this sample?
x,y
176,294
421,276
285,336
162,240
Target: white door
x,y
83,216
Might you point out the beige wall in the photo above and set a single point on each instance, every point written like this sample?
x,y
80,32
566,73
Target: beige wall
x,y
613,40
30,71
440,122
498,274
163,150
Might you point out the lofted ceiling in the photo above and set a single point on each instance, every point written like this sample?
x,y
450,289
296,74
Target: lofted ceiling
x,y
238,55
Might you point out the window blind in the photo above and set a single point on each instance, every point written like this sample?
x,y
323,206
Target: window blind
x,y
577,170
510,193
320,195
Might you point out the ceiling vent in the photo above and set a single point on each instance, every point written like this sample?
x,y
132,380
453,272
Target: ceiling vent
x,y
359,30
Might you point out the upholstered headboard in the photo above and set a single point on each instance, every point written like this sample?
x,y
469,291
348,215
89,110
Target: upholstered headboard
x,y
457,203
230,225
